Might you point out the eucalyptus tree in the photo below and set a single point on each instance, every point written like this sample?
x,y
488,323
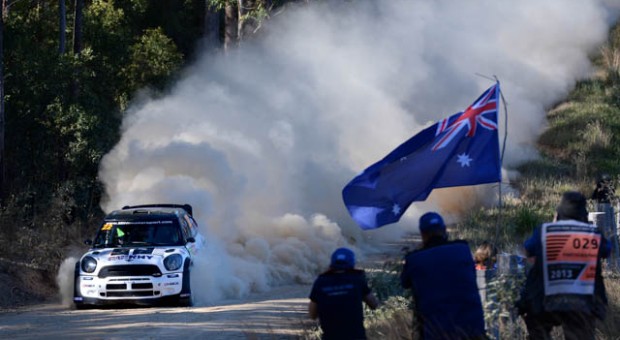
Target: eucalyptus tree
x,y
77,26
242,18
2,124
231,18
62,26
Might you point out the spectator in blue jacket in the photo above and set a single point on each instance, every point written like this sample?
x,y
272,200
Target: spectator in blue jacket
x,y
565,287
336,298
442,278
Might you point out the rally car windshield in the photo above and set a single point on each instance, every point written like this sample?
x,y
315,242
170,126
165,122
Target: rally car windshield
x,y
141,234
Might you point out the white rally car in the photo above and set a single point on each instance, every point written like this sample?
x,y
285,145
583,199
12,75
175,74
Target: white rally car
x,y
141,254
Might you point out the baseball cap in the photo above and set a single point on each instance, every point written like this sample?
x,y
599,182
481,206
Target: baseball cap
x,y
343,258
431,221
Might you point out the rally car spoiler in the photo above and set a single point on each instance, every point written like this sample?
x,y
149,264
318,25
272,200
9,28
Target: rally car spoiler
x,y
185,207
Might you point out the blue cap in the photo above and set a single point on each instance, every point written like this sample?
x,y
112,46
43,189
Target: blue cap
x,y
343,258
431,222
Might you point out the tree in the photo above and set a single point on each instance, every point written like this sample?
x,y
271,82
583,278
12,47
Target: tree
x,y
77,26
230,25
212,24
62,13
2,124
154,58
77,43
248,17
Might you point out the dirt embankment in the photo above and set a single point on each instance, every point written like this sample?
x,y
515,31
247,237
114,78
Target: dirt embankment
x,y
22,285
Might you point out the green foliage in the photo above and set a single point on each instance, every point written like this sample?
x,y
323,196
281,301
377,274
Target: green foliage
x,y
392,320
500,314
609,59
63,112
527,216
107,31
37,237
154,59
583,134
544,168
220,4
516,219
385,282
180,20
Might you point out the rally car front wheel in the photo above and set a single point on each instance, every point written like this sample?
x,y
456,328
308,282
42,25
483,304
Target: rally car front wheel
x,y
185,298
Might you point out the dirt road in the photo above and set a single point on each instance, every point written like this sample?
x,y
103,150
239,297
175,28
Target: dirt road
x,y
276,314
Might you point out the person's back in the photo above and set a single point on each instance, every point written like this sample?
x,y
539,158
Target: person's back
x,y
442,278
443,282
337,296
565,286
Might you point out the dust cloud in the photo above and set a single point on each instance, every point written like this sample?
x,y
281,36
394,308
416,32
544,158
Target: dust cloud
x,y
64,280
262,140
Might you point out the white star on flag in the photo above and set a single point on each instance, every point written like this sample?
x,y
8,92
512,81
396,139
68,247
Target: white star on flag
x,y
396,209
464,160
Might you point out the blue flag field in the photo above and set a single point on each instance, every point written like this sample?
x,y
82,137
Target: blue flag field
x,y
462,149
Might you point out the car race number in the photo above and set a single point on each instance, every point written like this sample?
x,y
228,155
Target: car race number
x,y
570,250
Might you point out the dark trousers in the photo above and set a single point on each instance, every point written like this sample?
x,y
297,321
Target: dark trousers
x,y
576,325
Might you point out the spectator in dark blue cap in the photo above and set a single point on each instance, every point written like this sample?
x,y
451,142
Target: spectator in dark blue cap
x,y
442,277
337,295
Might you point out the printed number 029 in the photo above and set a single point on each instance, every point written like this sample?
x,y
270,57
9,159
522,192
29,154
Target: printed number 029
x,y
585,243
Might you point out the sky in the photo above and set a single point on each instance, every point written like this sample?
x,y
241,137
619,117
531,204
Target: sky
x,y
261,140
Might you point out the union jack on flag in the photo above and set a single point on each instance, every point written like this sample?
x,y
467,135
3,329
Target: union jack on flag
x,y
476,113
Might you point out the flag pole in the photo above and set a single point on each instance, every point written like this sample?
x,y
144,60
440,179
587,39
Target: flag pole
x,y
501,161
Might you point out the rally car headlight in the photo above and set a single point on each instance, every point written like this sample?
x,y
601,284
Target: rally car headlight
x,y
89,264
173,262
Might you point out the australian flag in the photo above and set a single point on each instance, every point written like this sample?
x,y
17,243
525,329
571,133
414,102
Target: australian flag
x,y
460,150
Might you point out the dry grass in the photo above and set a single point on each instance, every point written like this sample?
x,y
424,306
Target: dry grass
x,y
610,329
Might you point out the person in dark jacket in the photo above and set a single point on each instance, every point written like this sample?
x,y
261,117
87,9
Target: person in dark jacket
x,y
605,191
565,287
442,278
336,298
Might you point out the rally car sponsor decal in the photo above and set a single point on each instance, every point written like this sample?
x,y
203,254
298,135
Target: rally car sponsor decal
x,y
138,222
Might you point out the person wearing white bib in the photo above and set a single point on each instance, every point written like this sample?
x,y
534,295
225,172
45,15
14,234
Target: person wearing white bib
x,y
565,287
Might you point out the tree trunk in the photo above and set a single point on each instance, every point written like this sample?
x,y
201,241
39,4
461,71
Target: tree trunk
x,y
2,121
212,23
230,26
77,44
62,13
247,24
77,27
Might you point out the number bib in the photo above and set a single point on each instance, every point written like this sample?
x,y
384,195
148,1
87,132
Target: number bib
x,y
570,250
